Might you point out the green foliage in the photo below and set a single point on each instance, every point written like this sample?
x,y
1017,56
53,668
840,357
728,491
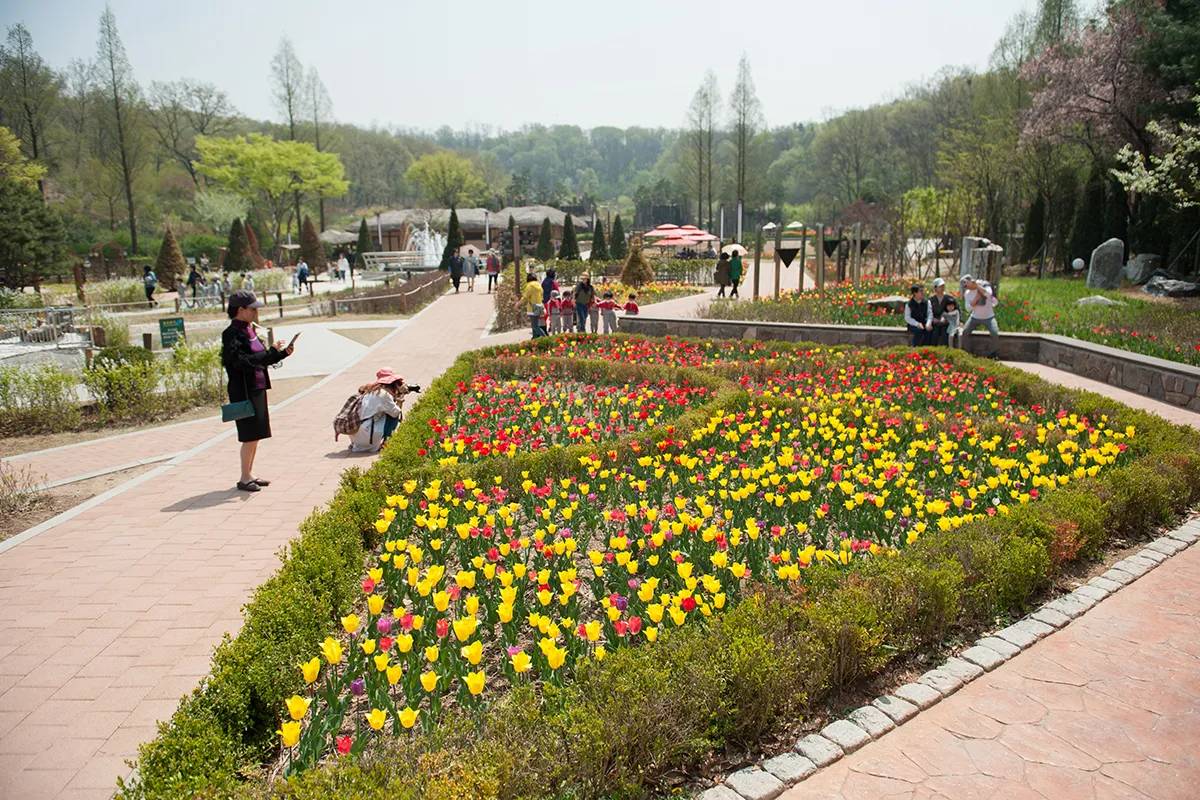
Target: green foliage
x,y
447,179
1035,230
618,248
454,239
31,235
310,246
637,271
219,209
123,388
545,245
569,249
365,243
170,260
599,244
201,244
237,255
38,398
1088,231
512,237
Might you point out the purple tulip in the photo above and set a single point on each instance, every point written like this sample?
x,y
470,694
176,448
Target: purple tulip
x,y
358,687
384,625
621,603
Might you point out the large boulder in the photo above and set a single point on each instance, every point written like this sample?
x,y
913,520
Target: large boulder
x,y
893,303
1162,286
1141,267
1104,271
1097,300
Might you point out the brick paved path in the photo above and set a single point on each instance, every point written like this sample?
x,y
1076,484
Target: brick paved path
x,y
109,618
1109,707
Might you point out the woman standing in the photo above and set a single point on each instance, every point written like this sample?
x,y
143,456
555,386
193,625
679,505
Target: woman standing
x,y
472,269
722,276
585,296
493,271
735,272
456,269
246,360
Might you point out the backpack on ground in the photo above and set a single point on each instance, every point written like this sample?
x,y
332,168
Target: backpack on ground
x,y
349,419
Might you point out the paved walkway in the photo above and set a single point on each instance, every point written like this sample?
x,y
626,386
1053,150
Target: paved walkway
x,y
1108,707
109,618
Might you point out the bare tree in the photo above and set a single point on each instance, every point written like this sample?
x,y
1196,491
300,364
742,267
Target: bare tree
x,y
287,77
1057,21
122,118
708,123
28,92
318,108
745,114
79,81
182,110
693,145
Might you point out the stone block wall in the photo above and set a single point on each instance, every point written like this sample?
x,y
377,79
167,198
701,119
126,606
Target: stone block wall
x,y
1168,381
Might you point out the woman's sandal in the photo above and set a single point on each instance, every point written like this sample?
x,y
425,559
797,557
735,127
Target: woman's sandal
x,y
261,482
249,486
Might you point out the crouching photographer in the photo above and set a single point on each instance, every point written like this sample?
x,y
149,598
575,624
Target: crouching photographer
x,y
370,416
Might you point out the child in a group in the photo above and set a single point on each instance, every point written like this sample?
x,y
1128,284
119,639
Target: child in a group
x,y
555,308
950,314
608,310
631,307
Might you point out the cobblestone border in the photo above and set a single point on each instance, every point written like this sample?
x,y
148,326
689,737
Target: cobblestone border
x,y
767,780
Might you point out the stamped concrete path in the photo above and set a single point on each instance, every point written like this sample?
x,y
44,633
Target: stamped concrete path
x,y
1108,707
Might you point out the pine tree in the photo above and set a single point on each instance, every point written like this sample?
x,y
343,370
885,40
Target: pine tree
x,y
170,261
237,255
599,245
262,234
1087,232
545,245
569,250
637,271
512,238
256,257
311,249
616,241
365,243
454,239
1035,230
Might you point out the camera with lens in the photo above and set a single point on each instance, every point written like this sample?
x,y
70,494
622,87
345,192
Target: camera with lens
x,y
414,388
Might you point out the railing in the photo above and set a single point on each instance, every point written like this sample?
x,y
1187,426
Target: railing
x,y
43,328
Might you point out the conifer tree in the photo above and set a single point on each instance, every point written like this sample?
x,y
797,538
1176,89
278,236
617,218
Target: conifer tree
x,y
454,239
1035,230
599,245
616,241
311,249
365,243
569,250
545,245
237,255
512,238
170,261
637,271
1088,230
256,257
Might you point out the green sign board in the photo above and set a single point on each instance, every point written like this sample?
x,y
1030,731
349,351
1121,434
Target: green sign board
x,y
171,331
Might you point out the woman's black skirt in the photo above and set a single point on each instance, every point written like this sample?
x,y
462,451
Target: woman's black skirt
x,y
251,429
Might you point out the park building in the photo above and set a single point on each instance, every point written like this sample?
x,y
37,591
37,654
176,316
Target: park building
x,y
393,230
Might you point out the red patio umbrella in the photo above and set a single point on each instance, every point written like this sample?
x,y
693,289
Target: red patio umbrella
x,y
674,241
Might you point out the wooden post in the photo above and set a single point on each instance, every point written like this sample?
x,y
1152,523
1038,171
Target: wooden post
x,y
79,284
279,297
778,242
820,246
270,337
148,341
803,260
178,304
516,246
332,304
757,260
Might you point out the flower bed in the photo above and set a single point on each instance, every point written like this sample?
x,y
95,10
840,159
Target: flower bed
x,y
813,515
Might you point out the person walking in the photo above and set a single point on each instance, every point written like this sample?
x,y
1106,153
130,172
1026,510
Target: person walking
x,y
343,266
722,274
247,281
381,408
735,272
918,316
472,269
940,334
149,283
456,269
246,359
584,296
980,303
302,275
531,301
549,284
194,281
493,270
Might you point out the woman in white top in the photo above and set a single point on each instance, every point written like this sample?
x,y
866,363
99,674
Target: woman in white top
x,y
380,410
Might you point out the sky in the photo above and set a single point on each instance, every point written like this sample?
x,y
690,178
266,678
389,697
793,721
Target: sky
x,y
421,65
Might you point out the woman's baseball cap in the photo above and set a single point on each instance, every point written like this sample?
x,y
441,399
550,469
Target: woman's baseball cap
x,y
243,298
386,376
938,282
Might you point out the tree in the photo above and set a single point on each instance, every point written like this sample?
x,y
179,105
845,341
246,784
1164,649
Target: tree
x,y
31,234
170,260
616,241
515,255
180,111
637,270
1169,54
454,238
569,249
599,245
1057,21
745,114
1035,230
978,161
269,173
365,244
237,253
29,90
545,245
311,249
256,257
1088,230
319,108
446,178
122,118
14,166
287,90
219,209
1175,174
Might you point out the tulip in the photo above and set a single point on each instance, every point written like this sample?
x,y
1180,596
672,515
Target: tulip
x,y
290,732
368,646
311,669
374,605
376,718
358,687
297,706
408,718
344,743
473,652
393,674
381,662
429,681
475,681
350,623
332,650
431,653
521,662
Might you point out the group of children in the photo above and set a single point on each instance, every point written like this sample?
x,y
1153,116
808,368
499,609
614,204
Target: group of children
x,y
559,313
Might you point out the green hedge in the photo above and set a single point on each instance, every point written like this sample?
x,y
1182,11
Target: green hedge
x,y
647,715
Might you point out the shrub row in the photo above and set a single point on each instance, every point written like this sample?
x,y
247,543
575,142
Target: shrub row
x,y
645,717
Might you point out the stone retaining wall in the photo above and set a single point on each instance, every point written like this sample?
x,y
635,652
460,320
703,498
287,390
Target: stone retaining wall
x,y
1168,381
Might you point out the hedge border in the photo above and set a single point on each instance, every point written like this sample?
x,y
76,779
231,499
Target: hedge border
x,y
851,628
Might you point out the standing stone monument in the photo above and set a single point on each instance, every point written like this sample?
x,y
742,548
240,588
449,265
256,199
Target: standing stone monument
x,y
1108,260
1141,267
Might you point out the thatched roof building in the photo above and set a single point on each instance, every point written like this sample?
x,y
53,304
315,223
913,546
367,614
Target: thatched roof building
x,y
396,226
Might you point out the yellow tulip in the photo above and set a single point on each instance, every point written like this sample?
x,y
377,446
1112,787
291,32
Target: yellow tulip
x,y
375,604
429,681
431,653
381,662
404,642
297,706
521,662
393,674
350,623
408,718
475,681
368,646
332,650
465,628
556,656
376,718
311,669
473,652
290,731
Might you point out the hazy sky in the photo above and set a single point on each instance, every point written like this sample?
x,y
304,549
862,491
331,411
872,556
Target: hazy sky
x,y
459,62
